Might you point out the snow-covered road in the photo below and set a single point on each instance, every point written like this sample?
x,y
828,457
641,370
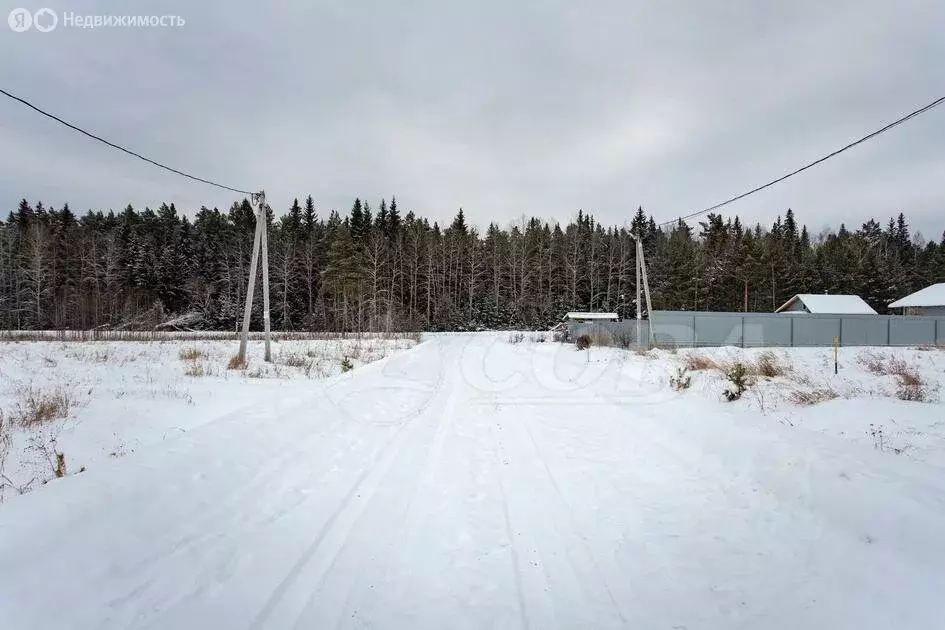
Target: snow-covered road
x,y
472,483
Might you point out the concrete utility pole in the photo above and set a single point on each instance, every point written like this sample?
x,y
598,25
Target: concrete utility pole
x,y
264,219
639,303
645,285
646,291
259,239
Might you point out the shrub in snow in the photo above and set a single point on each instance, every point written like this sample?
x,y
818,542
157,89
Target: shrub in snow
x,y
737,375
582,342
346,365
911,387
623,339
681,381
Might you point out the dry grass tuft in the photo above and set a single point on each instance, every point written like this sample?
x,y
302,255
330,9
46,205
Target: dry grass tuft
x,y
38,407
909,383
192,354
814,396
295,360
6,441
195,368
236,364
879,363
516,337
697,362
769,365
910,386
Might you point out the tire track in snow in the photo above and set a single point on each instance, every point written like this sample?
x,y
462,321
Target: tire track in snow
x,y
289,456
324,610
200,527
573,593
513,553
334,532
573,521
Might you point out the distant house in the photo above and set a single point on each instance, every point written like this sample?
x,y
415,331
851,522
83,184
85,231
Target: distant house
x,y
576,316
579,317
928,301
826,304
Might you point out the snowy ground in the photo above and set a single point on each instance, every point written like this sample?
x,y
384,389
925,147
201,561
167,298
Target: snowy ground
x,y
474,483
118,396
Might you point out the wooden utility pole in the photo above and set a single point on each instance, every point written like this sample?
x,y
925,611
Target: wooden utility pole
x,y
259,240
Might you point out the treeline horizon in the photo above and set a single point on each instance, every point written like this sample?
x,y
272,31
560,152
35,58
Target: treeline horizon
x,y
378,269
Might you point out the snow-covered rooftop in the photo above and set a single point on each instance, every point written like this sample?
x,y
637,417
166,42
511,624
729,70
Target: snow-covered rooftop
x,y
831,304
929,296
579,315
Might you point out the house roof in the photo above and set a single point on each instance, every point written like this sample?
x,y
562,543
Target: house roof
x,y
929,296
579,315
831,304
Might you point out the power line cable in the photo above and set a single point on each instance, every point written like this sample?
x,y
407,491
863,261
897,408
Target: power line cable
x,y
121,148
917,112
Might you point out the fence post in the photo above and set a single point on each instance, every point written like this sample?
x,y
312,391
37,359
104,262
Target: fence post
x,y
888,330
742,318
840,335
792,329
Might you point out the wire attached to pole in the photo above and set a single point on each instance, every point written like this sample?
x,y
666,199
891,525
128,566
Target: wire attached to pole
x,y
121,148
896,123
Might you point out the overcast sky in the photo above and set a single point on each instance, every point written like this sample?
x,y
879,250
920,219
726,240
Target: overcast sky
x,y
504,108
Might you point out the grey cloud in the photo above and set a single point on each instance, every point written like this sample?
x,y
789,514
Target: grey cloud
x,y
502,108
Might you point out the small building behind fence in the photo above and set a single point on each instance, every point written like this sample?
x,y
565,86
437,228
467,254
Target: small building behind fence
x,y
929,301
814,303
577,316
585,321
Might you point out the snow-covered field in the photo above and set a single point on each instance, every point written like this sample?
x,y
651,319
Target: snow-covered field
x,y
470,482
108,399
